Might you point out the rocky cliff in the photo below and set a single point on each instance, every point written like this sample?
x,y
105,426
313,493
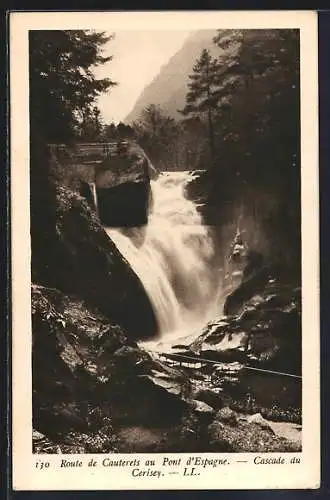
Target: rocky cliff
x,y
115,175
74,254
123,189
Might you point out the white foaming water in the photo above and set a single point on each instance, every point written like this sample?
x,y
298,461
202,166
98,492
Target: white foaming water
x,y
172,256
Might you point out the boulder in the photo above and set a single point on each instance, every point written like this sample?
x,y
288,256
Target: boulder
x,y
245,291
126,205
202,408
258,419
119,173
73,253
227,415
123,189
172,384
209,397
213,333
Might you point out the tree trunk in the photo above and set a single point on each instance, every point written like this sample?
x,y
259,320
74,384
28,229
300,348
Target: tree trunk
x,y
211,138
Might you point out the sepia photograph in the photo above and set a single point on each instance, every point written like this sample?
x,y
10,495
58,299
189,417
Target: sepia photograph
x,y
165,253
165,241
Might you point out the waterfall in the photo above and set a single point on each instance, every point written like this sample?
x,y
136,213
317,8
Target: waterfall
x,y
173,257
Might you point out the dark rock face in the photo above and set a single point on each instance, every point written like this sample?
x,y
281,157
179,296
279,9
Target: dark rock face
x,y
264,327
226,415
248,288
74,254
121,173
209,397
264,333
85,190
126,205
123,189
90,380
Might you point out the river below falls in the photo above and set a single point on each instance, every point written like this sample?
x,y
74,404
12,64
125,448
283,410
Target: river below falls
x,y
174,257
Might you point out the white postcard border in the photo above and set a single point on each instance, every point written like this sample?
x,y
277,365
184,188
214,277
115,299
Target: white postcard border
x,y
26,475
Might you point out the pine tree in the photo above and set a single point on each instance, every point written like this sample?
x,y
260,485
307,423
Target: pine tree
x,y
124,131
248,53
63,87
157,133
91,127
261,140
110,132
202,97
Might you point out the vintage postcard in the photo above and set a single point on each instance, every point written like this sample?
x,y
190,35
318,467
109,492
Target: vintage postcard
x,y
165,273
